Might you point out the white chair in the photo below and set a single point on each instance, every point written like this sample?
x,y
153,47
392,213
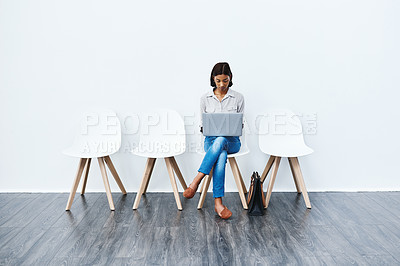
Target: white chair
x,y
235,171
99,137
163,137
281,135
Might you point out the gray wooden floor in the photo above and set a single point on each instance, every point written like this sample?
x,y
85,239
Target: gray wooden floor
x,y
341,229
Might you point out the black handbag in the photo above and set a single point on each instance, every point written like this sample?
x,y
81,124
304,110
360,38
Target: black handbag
x,y
255,197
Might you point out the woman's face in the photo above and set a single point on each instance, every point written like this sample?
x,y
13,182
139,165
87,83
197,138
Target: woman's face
x,y
222,81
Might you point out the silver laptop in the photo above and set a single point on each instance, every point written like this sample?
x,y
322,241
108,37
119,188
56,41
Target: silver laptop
x,y
222,124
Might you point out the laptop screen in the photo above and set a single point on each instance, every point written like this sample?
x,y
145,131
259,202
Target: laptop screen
x,y
222,124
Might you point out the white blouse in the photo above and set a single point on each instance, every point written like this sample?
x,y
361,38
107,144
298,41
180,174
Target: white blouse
x,y
233,102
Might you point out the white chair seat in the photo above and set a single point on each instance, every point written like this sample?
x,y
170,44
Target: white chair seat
x,y
294,151
237,154
79,153
155,154
240,153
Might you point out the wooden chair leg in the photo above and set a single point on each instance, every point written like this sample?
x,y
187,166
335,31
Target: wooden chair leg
x,y
205,189
178,172
110,165
78,175
173,182
202,184
241,178
150,172
296,166
272,180
146,176
267,168
85,174
236,175
106,183
294,176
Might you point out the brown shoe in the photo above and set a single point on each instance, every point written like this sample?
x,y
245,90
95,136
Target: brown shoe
x,y
189,192
225,214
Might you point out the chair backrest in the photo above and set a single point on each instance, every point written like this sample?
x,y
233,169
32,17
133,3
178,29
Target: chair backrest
x,y
162,132
281,134
99,132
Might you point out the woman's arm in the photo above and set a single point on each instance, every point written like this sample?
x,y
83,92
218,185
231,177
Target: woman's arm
x,y
241,108
241,105
202,110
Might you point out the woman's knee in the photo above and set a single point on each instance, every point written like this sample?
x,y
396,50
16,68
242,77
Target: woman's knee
x,y
222,158
234,147
220,141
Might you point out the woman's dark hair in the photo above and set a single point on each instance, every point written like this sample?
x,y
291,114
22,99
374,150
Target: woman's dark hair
x,y
221,68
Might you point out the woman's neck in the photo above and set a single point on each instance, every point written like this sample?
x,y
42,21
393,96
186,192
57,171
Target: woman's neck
x,y
219,91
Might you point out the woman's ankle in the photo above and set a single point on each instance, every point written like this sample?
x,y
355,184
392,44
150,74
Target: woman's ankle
x,y
199,176
218,202
197,179
193,185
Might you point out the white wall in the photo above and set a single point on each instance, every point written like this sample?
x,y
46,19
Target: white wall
x,y
337,59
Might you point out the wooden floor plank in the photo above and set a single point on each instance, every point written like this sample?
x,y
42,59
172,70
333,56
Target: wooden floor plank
x,y
293,202
342,228
361,239
385,238
335,243
47,246
32,209
8,233
387,200
381,260
139,234
51,214
188,236
6,198
340,209
80,208
86,232
20,244
15,206
106,246
122,216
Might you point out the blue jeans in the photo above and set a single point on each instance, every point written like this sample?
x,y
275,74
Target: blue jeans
x,y
217,150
